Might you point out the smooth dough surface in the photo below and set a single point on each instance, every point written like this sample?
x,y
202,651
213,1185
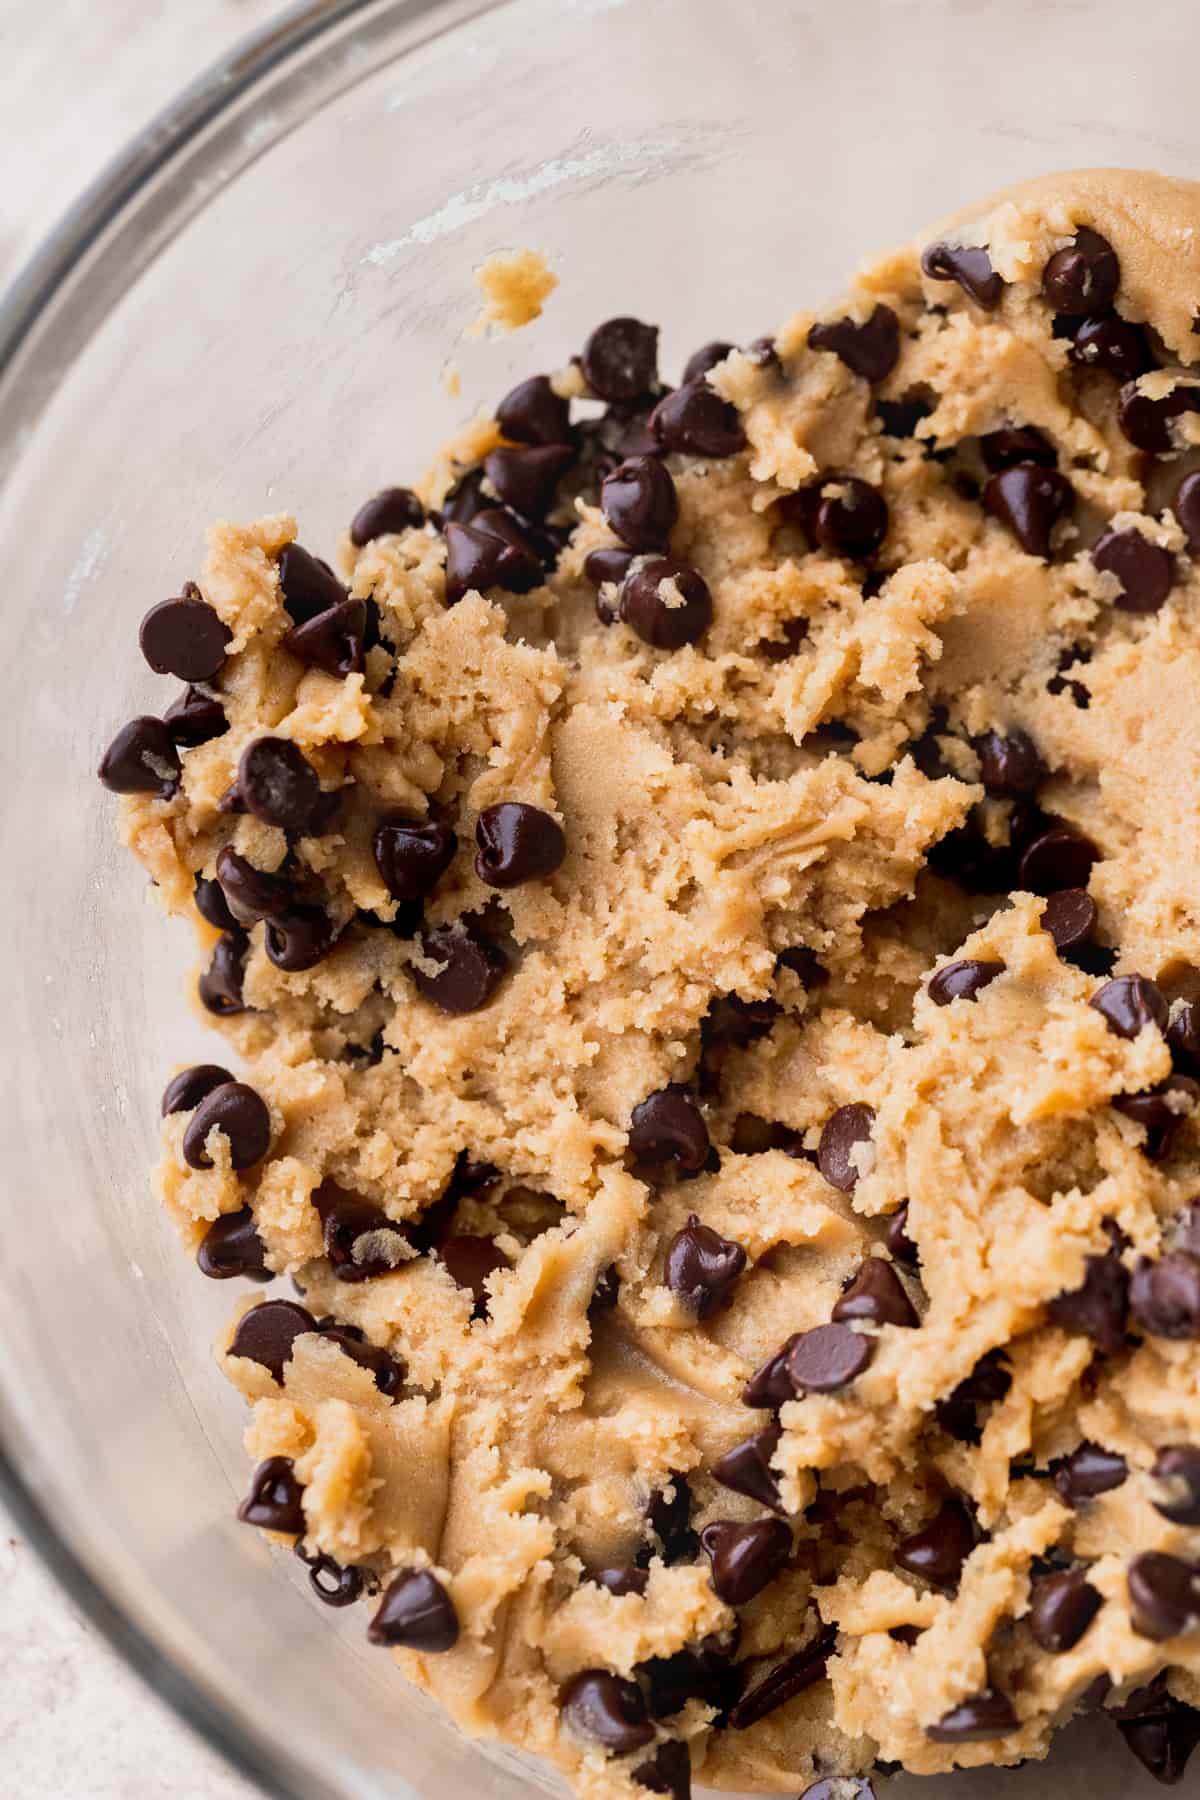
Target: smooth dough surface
x,y
765,790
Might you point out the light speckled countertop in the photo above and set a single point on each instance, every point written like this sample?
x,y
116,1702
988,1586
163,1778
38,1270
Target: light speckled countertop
x,y
77,79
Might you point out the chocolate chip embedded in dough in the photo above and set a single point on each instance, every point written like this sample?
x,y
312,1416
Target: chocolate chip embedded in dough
x,y
620,359
184,637
332,641
1069,916
231,1246
412,855
848,1127
870,348
1145,571
747,1468
526,476
345,1223
278,784
298,938
1061,1608
416,1613
784,1681
241,1114
851,517
938,1551
472,968
1164,1295
1055,859
702,1266
517,843
987,1715
963,980
532,413
1146,420
745,1557
1187,511
1009,763
469,1260
828,1358
1016,444
266,1333
697,421
1087,1472
666,620
896,1237
1112,344
491,552
142,759
626,1580
274,1502
1129,1004
191,1086
1176,1474
770,1386
707,357
1164,1595
669,1518
250,893
1097,1308
195,718
1164,1738
1160,1111
220,986
385,514
308,585
988,1382
668,1771
608,1709
969,266
1030,501
876,1296
668,1126
1083,277
639,503
389,1375
212,905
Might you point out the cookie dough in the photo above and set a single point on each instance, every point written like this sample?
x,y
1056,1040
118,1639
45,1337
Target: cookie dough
x,y
707,907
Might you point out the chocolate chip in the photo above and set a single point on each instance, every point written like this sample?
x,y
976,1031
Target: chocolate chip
x,y
669,1517
627,1580
1130,1003
266,1333
1183,1034
639,502
1111,343
392,510
1057,858
1187,1228
1177,1471
668,1126
988,1382
1164,1595
702,1673
848,1127
938,1551
770,1386
231,1246
1187,510
1086,1472
1084,277
745,1558
1160,1111
195,718
850,518
668,1771
142,759
702,1266
1165,1295
870,349
1016,444
962,980
298,938
1146,421
416,1613
191,1086
278,784
274,1500
607,1708
358,1237
620,359
969,266
212,905
876,1296
696,420
784,1682
1030,501
491,552
469,1260
251,894
666,619
241,1115
707,357
827,1358
747,1468
1144,570
896,1237
1009,763
308,585
1163,1740
604,567
526,476
532,413
330,1581
184,637
900,418
220,986
1097,1308
412,855
472,968
1070,917
332,641
986,1715
463,502
387,1372
1061,1608
517,843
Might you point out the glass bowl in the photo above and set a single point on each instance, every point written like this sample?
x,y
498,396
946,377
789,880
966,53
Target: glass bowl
x,y
253,310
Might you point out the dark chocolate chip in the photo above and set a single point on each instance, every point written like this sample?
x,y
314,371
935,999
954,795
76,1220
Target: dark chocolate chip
x,y
745,1558
608,1709
463,501
1061,1608
975,1721
1111,343
1177,1471
1009,763
1163,1740
747,1468
1069,915
387,1372
702,1673
988,1382
669,1517
526,476
1128,1004
241,1115
770,1386
1086,1472
298,938
659,618
278,784
1030,501
274,1500
1165,1295
620,359
191,1086
195,718
1057,858
707,357
1160,1111
668,1771
668,1126
1144,570
184,637
702,1266
1098,1307
336,1584
212,905
471,968
970,266
627,1580
266,1333
870,349
517,843
1146,421
532,413
1016,444
604,567
331,641
900,418
1183,1035
142,759
220,986
938,1551
696,420
416,1613
639,502
412,855
850,518
491,552
469,1260
1164,1595
827,1358
350,1229
876,1296
784,1682
963,980
308,585
251,894
848,1127
1187,510
1082,278
231,1246
896,1237
390,511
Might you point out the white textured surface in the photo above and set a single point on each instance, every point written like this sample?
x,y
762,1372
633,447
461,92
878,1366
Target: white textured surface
x,y
77,78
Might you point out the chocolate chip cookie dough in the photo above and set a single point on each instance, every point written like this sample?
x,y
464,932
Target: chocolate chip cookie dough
x,y
707,905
